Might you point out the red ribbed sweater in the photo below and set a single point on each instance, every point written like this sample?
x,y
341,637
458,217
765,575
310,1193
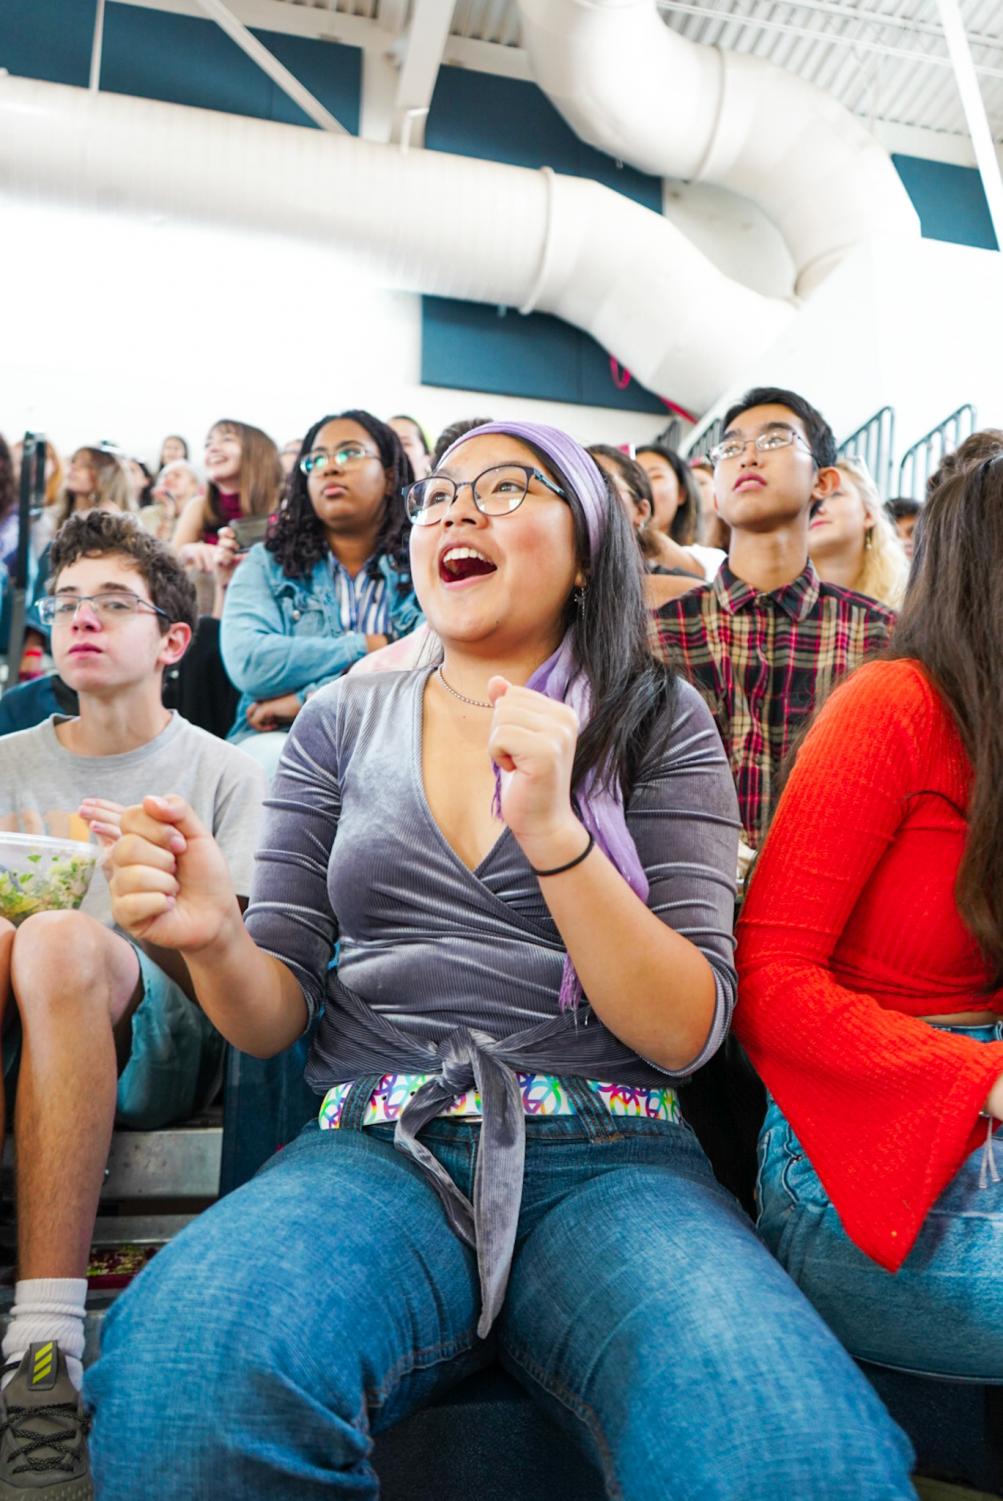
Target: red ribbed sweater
x,y
849,934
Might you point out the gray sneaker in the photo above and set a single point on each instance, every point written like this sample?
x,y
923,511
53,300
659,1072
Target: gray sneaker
x,y
43,1431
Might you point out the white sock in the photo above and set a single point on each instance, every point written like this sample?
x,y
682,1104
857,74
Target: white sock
x,y
47,1308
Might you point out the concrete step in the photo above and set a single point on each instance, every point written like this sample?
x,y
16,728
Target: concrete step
x,y
181,1162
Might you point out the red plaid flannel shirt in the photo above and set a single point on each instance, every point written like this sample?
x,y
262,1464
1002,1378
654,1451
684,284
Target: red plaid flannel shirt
x,y
762,662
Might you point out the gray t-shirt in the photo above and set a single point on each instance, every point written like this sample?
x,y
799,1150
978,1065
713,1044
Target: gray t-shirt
x,y
42,784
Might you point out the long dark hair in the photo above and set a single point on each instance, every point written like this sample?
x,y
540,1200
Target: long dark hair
x,y
952,623
638,486
297,537
686,522
631,689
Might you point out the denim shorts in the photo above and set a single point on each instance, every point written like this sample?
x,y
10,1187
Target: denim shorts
x,y
175,1064
941,1313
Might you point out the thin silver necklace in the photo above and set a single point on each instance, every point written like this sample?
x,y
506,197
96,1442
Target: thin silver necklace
x,y
478,703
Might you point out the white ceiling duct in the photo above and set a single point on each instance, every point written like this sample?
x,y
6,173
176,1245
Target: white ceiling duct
x,y
420,221
639,91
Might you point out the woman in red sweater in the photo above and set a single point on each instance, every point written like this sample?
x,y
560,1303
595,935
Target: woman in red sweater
x,y
870,958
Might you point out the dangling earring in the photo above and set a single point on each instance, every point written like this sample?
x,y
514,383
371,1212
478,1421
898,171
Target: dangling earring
x,y
578,595
869,539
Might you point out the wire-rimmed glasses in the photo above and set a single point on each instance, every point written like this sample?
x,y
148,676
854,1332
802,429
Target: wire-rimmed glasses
x,y
345,453
768,442
109,608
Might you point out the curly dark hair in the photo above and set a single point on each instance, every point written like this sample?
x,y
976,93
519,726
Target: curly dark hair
x,y
296,536
91,534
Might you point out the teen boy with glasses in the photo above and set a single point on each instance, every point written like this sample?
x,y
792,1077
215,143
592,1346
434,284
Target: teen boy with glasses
x,y
766,639
109,1031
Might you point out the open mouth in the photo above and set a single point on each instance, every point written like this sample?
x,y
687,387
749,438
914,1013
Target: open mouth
x,y
458,564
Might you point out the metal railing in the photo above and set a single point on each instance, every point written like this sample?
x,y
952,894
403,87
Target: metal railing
x,y
699,444
671,434
874,442
919,461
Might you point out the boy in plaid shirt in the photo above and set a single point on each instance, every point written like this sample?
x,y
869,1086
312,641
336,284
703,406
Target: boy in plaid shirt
x,y
766,639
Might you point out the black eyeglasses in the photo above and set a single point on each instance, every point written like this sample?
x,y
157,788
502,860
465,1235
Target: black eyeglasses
x,y
345,453
497,491
109,608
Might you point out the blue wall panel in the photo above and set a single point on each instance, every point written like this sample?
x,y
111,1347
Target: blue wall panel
x,y
471,346
950,201
55,46
181,59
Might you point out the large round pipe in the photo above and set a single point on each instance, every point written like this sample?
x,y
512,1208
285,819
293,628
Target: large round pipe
x,y
421,221
639,91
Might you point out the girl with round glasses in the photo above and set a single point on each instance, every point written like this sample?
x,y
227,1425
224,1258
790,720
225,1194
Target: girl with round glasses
x,y
330,582
526,857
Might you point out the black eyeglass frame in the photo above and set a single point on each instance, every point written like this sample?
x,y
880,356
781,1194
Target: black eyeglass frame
x,y
529,470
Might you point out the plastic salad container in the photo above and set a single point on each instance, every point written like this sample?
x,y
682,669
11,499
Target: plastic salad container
x,y
42,874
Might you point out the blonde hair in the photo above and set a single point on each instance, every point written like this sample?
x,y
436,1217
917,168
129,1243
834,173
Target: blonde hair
x,y
885,570
112,488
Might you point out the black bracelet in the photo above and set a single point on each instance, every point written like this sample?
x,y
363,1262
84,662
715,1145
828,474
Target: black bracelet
x,y
559,870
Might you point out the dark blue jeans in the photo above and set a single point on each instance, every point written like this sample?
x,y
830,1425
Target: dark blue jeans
x,y
328,1297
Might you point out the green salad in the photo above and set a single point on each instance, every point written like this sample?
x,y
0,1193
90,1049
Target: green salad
x,y
53,882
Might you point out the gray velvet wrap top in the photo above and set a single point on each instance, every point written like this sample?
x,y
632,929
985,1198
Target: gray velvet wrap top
x,y
454,972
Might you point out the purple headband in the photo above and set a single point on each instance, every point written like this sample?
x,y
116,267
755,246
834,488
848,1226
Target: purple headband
x,y
560,677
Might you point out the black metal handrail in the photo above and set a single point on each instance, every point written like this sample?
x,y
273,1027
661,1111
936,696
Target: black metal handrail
x,y
705,440
874,442
919,461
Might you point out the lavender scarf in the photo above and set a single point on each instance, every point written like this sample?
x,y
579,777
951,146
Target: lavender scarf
x,y
561,677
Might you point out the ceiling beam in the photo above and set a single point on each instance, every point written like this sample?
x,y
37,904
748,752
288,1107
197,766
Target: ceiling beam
x,y
269,64
293,20
975,112
488,57
420,63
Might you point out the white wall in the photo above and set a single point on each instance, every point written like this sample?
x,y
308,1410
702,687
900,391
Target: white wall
x,y
118,329
919,330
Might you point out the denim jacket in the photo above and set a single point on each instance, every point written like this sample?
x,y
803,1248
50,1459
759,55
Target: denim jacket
x,y
281,635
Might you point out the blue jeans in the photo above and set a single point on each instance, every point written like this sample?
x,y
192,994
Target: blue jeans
x,y
328,1298
941,1314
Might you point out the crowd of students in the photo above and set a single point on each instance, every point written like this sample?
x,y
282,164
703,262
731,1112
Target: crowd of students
x,y
515,720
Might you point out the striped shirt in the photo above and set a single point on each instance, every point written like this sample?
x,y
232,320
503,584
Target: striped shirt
x,y
762,662
362,600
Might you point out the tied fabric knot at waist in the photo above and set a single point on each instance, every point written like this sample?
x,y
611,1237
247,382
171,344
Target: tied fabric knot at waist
x,y
568,1043
488,1223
